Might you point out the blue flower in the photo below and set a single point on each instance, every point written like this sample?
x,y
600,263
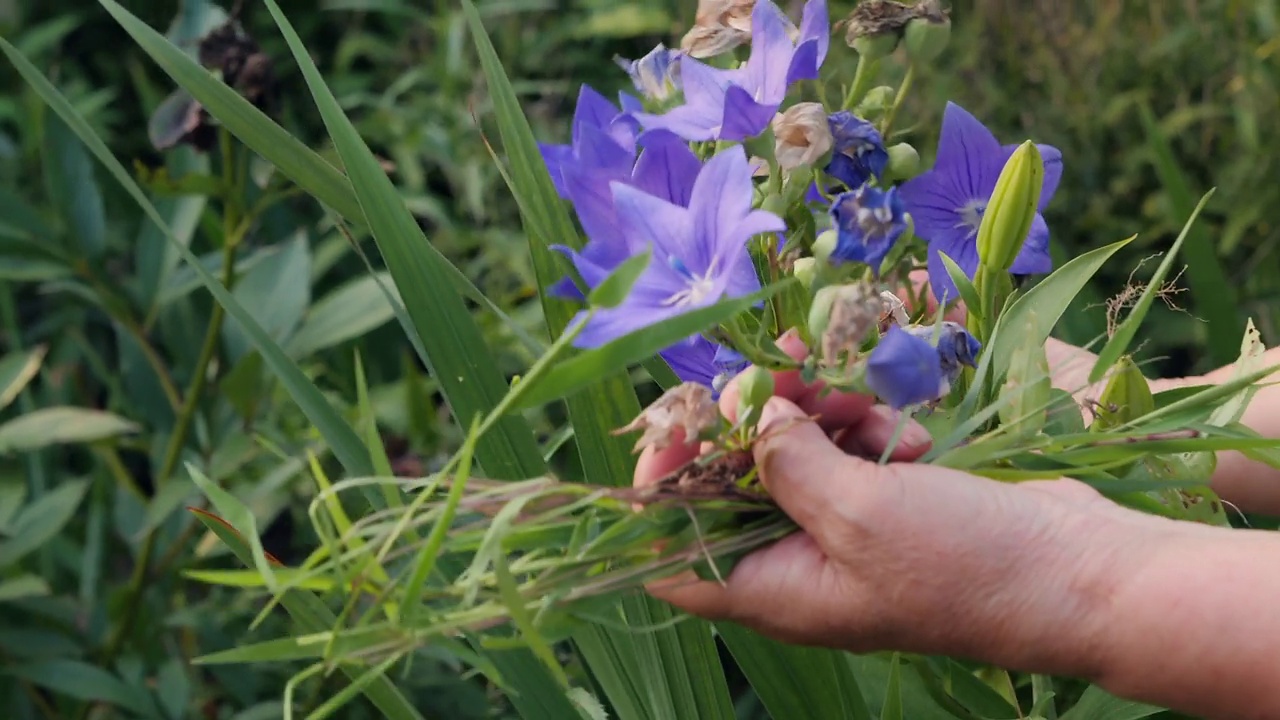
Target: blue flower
x,y
702,361
947,202
738,104
858,152
665,169
956,347
700,251
656,75
905,370
868,222
603,138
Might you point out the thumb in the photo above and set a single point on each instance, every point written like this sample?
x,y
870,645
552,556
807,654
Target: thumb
x,y
800,466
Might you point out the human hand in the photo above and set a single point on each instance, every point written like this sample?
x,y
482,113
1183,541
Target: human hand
x,y
904,556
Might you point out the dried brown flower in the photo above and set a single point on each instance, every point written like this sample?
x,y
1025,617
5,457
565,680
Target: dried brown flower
x,y
689,407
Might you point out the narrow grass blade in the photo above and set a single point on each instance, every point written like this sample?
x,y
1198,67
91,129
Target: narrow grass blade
x,y
1119,343
456,352
342,440
794,681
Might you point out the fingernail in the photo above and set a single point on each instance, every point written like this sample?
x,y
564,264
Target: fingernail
x,y
916,436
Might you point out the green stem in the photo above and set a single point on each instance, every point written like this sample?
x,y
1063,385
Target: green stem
x,y
903,89
862,77
1042,687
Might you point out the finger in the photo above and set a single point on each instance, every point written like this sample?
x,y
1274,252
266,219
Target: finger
x,y
835,410
798,463
875,432
654,464
920,288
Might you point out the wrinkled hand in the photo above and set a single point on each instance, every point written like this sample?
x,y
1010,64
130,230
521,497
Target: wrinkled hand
x,y
902,556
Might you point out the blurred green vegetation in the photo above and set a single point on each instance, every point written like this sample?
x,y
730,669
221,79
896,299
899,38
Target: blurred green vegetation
x,y
95,315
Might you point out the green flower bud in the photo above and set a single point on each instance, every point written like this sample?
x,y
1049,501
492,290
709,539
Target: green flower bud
x,y
875,102
904,162
925,38
806,271
874,47
1012,208
824,245
1127,397
755,387
820,310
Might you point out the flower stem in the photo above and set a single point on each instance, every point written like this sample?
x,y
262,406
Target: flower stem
x,y
862,77
903,89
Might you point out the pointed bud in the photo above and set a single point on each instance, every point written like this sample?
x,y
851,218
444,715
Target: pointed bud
x,y
1012,208
904,162
925,38
755,387
1126,397
802,136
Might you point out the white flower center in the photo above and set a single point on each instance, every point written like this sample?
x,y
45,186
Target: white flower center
x,y
698,288
971,215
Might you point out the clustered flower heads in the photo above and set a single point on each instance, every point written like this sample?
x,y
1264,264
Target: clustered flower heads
x,y
667,173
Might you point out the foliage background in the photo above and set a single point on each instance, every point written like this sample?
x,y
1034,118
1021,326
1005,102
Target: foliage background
x,y
1151,104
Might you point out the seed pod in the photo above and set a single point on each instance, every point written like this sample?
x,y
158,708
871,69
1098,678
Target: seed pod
x,y
904,162
755,387
1126,397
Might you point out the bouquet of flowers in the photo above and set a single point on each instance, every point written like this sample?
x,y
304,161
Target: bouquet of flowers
x,y
746,189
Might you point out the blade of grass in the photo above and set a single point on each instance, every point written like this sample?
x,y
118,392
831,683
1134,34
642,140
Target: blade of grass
x,y
794,681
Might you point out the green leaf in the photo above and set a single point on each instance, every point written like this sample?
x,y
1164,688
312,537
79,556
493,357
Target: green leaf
x,y
1118,345
968,293
279,290
348,312
1048,301
83,681
242,519
23,586
892,708
60,426
16,370
591,366
615,288
1213,294
342,440
456,352
71,185
1097,704
794,681
312,616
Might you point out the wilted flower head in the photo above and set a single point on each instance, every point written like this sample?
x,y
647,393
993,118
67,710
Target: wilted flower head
x,y
859,153
947,202
699,252
656,75
956,347
874,26
801,135
738,104
905,370
895,311
868,222
842,316
688,407
720,26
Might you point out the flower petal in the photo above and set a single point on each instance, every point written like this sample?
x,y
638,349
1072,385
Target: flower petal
x,y
555,157
651,221
742,116
771,53
1034,258
721,200
815,25
933,203
593,203
969,156
964,254
593,110
667,168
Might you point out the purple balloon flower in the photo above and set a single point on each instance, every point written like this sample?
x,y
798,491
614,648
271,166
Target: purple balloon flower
x,y
858,152
868,222
947,202
905,370
700,252
956,347
702,361
603,138
738,104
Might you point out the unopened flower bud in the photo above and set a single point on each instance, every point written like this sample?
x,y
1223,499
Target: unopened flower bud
x,y
1012,208
904,370
806,271
689,407
841,317
876,101
657,74
1126,397
956,347
925,38
825,244
755,387
904,162
801,135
